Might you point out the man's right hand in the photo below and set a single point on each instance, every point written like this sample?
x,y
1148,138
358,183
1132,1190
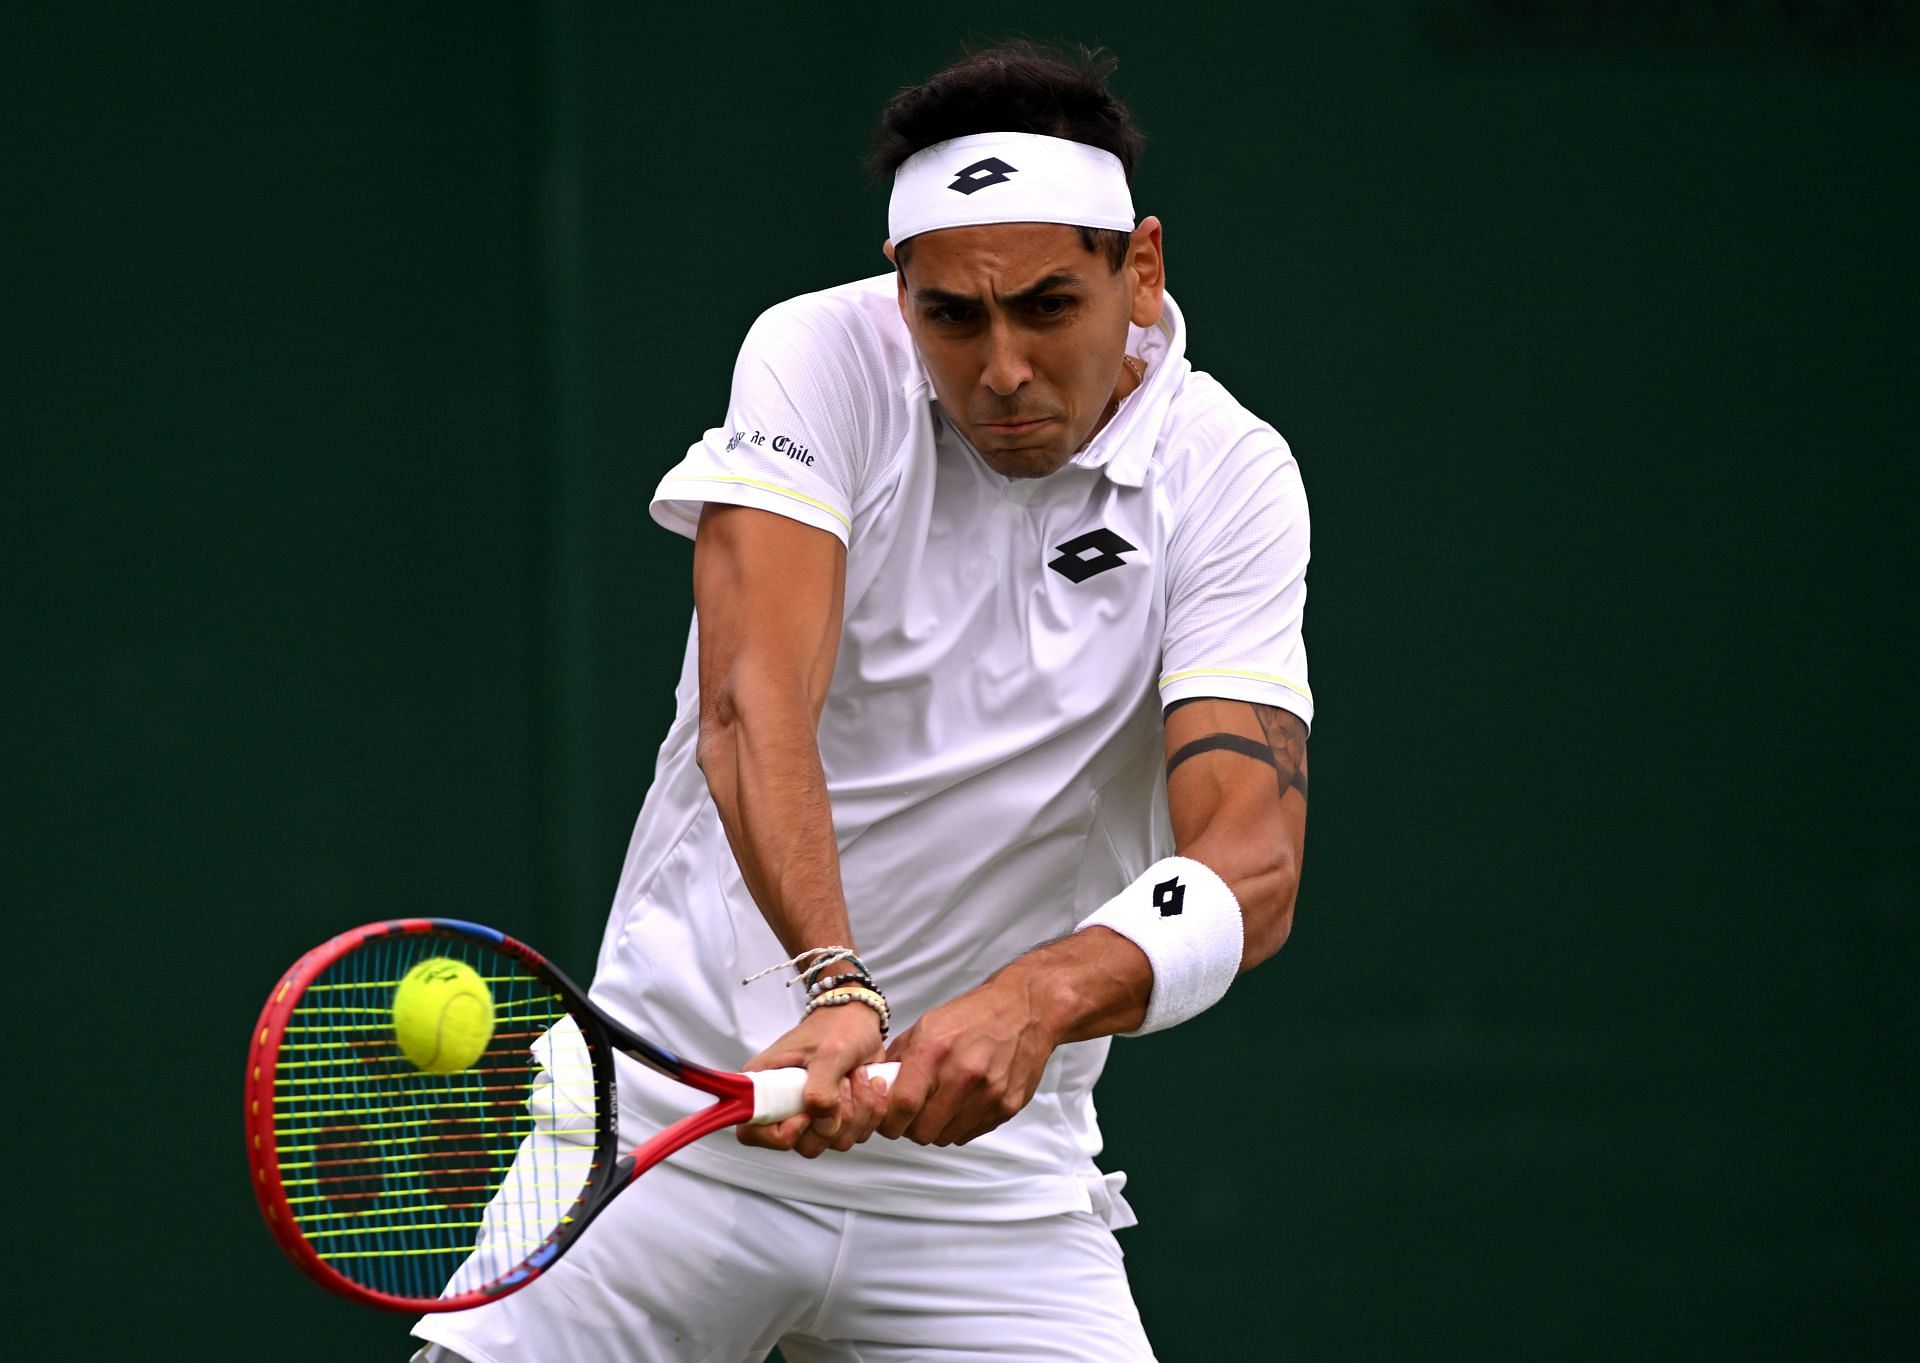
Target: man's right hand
x,y
843,1106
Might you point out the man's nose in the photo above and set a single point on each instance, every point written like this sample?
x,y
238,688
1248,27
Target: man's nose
x,y
1007,368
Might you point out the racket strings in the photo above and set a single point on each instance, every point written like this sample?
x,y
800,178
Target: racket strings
x,y
399,1179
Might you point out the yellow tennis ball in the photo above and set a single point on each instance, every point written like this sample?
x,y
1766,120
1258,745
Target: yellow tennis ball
x,y
443,1015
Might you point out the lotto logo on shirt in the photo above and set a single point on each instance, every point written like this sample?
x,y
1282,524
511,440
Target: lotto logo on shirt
x,y
1091,554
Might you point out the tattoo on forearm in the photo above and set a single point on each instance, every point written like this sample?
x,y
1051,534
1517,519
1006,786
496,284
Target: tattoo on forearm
x,y
1284,747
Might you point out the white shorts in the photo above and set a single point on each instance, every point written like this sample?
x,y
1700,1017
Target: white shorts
x,y
682,1269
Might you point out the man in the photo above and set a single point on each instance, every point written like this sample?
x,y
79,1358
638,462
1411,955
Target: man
x,y
993,723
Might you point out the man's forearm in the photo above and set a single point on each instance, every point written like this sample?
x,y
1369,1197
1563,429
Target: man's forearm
x,y
1088,984
762,765
1096,982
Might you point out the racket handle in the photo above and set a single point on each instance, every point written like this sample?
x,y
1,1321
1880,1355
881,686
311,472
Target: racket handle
x,y
776,1093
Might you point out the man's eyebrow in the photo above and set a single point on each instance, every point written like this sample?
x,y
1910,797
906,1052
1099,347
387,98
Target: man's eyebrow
x,y
1052,282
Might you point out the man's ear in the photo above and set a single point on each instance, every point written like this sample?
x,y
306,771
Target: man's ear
x,y
899,275
1147,264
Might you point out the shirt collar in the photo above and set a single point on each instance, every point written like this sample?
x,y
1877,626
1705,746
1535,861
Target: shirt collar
x,y
1125,445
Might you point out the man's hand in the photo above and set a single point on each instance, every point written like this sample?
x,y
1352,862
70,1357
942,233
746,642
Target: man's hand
x,y
970,1065
843,1106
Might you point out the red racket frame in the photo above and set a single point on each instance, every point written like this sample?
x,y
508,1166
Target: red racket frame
x,y
603,1035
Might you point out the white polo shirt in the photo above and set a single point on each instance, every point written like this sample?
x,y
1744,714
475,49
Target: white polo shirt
x,y
992,739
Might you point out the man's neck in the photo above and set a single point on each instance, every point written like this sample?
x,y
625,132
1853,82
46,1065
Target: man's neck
x,y
1133,373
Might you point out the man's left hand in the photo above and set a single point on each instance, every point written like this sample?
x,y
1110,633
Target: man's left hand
x,y
969,1065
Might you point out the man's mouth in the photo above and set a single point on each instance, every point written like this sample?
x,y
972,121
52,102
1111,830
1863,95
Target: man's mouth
x,y
1015,426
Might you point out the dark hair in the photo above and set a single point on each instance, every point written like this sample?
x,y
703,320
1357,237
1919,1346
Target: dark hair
x,y
1018,87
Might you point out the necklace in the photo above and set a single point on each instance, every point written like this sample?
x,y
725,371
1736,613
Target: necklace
x,y
1135,367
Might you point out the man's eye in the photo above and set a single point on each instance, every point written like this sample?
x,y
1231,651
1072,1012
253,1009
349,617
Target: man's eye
x,y
1052,306
949,314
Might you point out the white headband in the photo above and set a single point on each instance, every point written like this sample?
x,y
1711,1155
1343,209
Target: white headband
x,y
1008,177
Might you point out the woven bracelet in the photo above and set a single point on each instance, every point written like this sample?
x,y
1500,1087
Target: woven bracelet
x,y
844,957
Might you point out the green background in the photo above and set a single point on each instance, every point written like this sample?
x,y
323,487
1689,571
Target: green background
x,y
346,342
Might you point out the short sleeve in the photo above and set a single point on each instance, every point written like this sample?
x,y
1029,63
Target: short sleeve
x,y
1237,583
797,438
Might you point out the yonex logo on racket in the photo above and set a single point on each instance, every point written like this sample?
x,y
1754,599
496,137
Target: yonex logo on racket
x,y
992,171
1087,555
1169,896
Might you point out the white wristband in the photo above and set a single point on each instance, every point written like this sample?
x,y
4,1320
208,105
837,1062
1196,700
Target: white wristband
x,y
1184,916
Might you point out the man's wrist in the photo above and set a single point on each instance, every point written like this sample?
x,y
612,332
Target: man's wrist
x,y
1091,984
850,994
855,1023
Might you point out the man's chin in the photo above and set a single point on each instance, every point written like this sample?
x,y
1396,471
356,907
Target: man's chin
x,y
1024,463
1032,452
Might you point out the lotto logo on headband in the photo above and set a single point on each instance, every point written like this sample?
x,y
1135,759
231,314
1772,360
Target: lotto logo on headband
x,y
992,171
1033,178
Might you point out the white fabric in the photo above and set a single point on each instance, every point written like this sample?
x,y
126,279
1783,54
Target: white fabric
x,y
1008,177
680,1269
992,739
1187,921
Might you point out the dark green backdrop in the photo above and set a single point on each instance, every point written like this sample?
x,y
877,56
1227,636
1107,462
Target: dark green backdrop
x,y
346,342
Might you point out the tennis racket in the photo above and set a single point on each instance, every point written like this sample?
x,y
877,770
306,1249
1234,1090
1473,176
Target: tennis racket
x,y
423,1191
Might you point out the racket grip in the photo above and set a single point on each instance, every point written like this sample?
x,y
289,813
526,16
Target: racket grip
x,y
776,1093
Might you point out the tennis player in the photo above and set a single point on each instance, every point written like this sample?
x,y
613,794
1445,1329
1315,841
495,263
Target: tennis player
x,y
991,741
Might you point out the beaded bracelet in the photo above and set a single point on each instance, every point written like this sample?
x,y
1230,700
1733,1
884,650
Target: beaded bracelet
x,y
833,956
835,998
826,982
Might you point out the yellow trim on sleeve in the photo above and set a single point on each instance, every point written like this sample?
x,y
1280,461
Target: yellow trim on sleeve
x,y
1294,687
763,486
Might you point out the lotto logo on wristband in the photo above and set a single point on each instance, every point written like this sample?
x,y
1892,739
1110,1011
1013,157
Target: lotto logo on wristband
x,y
1195,959
1169,896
